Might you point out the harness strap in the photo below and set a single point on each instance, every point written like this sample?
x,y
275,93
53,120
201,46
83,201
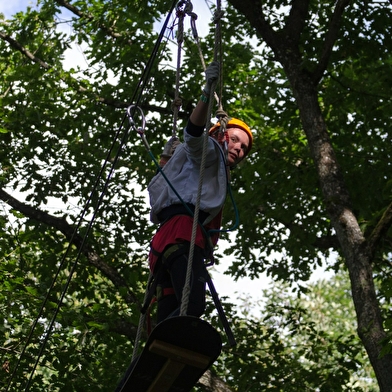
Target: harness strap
x,y
158,271
172,250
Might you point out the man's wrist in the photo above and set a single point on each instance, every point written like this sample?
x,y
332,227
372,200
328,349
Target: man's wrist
x,y
204,97
194,130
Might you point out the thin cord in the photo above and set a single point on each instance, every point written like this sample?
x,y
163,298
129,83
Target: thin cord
x,y
141,86
81,248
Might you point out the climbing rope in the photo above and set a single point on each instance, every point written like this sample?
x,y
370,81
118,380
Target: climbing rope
x,y
222,118
198,45
187,285
183,8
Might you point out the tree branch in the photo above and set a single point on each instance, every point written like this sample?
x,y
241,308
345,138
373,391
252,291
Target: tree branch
x,y
330,39
213,383
252,10
107,29
296,21
80,89
380,230
16,45
69,232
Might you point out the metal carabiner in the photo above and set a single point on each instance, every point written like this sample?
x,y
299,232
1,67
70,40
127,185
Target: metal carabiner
x,y
140,130
130,114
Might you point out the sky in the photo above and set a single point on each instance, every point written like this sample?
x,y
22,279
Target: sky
x,y
10,7
225,285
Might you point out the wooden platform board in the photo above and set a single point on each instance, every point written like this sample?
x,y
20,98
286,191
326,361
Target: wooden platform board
x,y
177,353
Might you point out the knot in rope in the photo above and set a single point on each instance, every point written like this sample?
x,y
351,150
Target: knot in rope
x,y
184,7
222,117
218,15
223,136
176,104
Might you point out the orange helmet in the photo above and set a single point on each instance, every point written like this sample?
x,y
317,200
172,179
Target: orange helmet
x,y
235,123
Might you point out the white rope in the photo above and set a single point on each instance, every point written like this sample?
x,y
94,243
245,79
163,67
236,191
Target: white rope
x,y
187,285
176,105
198,45
184,7
180,39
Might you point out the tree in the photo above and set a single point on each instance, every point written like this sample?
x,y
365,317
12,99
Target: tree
x,y
316,92
303,343
335,50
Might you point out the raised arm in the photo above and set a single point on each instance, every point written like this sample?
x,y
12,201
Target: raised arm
x,y
199,114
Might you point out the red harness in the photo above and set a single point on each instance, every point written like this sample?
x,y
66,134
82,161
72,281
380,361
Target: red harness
x,y
177,230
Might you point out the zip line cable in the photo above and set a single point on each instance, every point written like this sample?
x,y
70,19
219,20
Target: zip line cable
x,y
140,88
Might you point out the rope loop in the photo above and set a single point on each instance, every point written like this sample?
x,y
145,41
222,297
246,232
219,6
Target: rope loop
x,y
140,130
193,27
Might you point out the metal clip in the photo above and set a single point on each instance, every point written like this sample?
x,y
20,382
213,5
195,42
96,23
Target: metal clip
x,y
140,130
130,113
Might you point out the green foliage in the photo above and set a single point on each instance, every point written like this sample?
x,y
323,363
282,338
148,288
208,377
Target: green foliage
x,y
304,343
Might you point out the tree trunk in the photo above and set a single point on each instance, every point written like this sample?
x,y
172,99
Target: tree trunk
x,y
352,241
356,250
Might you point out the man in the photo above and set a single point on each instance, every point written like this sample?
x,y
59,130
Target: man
x,y
170,246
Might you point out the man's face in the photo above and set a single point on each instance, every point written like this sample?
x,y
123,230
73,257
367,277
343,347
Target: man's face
x,y
238,145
